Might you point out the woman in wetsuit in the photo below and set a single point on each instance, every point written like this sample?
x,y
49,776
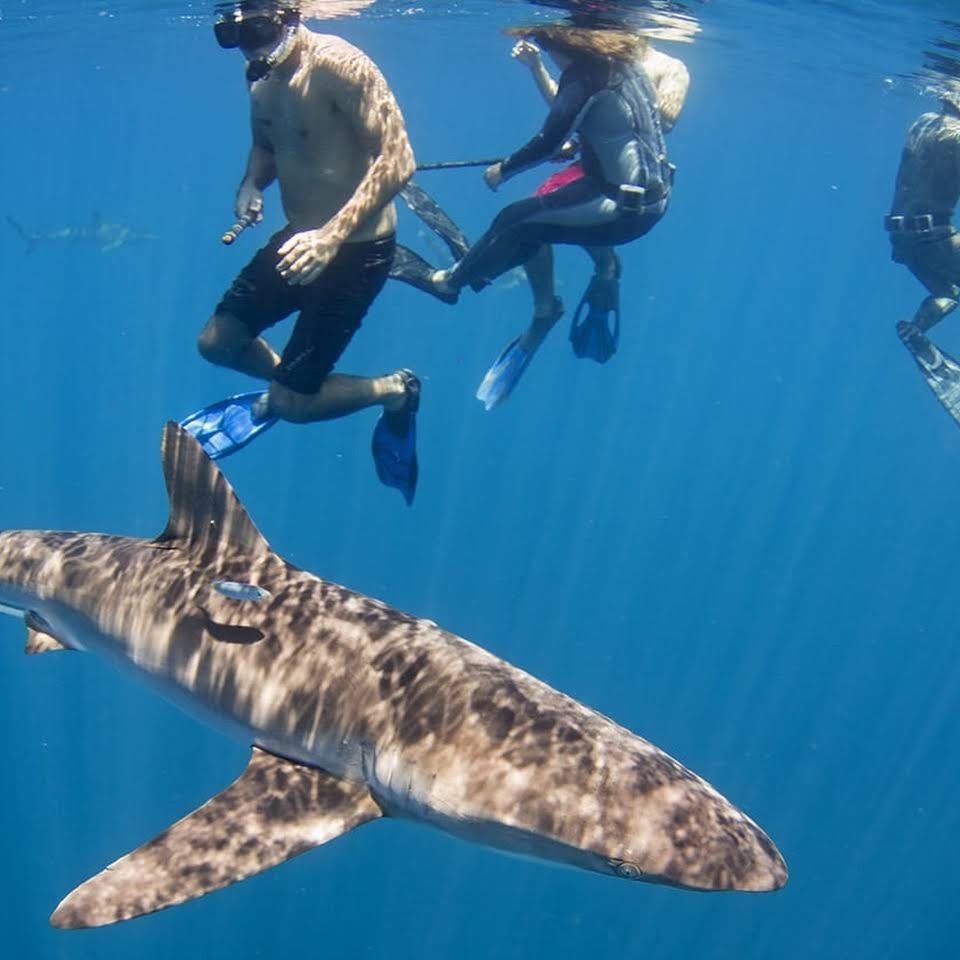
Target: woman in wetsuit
x,y
606,99
595,329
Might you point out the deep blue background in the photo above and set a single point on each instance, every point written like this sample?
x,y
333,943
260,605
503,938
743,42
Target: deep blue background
x,y
738,538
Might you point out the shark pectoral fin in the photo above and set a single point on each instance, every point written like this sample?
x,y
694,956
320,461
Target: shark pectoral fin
x,y
40,636
38,642
274,811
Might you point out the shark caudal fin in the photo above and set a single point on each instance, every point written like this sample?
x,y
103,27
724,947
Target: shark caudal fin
x,y
31,242
275,810
205,514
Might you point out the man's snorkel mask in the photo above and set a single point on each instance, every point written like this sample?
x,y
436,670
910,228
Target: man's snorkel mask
x,y
262,28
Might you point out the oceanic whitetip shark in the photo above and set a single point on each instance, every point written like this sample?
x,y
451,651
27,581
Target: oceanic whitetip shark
x,y
355,712
106,236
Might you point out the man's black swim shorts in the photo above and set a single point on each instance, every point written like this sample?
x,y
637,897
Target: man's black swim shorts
x,y
331,308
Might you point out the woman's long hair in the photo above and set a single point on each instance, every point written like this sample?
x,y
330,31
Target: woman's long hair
x,y
578,42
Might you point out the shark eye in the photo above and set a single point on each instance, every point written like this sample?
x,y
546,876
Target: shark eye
x,y
629,871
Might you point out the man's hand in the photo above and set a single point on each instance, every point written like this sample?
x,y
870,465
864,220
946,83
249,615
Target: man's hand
x,y
494,176
526,53
249,205
306,255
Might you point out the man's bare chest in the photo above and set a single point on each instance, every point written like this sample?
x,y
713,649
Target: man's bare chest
x,y
290,120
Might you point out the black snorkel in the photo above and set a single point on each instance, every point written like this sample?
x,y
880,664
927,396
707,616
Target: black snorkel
x,y
260,68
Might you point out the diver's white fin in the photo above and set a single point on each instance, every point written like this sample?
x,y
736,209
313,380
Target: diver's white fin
x,y
275,810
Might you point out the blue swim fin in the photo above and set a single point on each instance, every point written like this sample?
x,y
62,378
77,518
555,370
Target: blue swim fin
x,y
939,369
394,443
502,377
591,334
227,425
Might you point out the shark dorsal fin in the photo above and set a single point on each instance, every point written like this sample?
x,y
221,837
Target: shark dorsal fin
x,y
205,514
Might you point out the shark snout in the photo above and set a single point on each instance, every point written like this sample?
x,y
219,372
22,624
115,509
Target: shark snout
x,y
716,847
683,833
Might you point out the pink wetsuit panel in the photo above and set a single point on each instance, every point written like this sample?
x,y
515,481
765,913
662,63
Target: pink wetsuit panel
x,y
566,176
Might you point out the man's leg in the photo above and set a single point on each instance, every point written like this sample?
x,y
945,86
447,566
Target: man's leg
x,y
338,396
304,388
937,266
227,342
224,427
257,299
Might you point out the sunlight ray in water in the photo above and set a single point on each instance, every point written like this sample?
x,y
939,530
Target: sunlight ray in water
x,y
706,291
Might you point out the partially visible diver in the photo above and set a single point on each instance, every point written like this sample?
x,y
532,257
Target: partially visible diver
x,y
606,99
327,128
923,238
595,327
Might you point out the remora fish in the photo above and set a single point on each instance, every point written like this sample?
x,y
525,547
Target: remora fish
x,y
106,236
355,711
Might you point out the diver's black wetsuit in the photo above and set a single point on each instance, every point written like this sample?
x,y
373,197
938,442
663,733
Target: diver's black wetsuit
x,y
612,107
920,224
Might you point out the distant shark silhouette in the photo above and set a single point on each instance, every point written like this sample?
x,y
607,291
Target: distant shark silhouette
x,y
106,236
355,711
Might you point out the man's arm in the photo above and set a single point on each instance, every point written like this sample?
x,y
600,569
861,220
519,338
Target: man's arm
x,y
260,173
365,98
261,167
361,93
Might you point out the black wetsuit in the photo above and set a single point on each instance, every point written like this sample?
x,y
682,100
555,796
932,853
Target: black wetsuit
x,y
612,108
922,235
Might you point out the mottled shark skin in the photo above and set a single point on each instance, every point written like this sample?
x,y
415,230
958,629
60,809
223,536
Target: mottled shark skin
x,y
356,711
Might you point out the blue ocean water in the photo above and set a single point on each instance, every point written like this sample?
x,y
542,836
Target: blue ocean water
x,y
734,538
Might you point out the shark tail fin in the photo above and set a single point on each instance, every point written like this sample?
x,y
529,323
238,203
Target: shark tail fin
x,y
274,811
205,514
24,236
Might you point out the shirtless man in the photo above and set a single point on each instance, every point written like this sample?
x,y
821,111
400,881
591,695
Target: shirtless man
x,y
923,238
326,127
